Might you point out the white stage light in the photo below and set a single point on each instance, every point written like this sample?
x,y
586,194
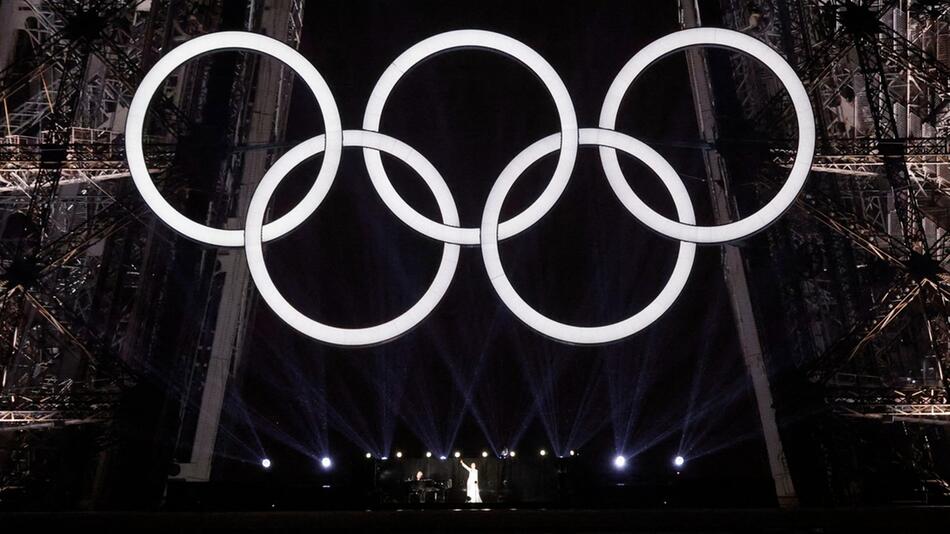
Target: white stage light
x,y
442,457
266,463
620,462
325,462
428,454
543,452
369,455
457,454
679,461
572,452
384,458
398,454
484,454
511,454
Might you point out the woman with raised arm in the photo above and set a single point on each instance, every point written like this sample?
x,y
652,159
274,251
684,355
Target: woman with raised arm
x,y
471,488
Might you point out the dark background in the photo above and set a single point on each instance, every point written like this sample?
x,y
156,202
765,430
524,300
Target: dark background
x,y
471,377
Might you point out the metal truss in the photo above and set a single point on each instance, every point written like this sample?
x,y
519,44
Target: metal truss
x,y
879,188
72,229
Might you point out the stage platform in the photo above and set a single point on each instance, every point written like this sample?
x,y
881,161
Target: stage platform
x,y
826,521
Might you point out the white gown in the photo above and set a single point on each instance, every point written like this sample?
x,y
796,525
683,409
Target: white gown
x,y
471,488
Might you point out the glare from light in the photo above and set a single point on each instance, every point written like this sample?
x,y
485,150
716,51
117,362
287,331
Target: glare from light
x,y
447,232
773,209
428,454
587,335
620,462
326,462
266,463
457,454
484,454
679,461
398,454
543,452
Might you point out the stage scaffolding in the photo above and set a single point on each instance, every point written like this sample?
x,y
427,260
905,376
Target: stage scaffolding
x,y
78,249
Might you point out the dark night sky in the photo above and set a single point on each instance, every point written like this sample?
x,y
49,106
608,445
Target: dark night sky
x,y
471,375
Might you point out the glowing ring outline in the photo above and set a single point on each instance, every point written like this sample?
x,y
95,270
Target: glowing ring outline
x,y
783,199
584,335
514,49
216,42
348,337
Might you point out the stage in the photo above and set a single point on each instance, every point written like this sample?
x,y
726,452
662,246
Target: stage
x,y
829,521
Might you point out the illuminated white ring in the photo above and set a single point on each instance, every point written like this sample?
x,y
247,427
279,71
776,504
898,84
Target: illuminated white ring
x,y
351,337
583,335
231,41
772,210
472,39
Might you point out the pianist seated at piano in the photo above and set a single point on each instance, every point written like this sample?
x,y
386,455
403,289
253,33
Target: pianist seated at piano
x,y
422,489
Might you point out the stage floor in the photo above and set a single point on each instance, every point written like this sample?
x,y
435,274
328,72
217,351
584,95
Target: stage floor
x,y
826,521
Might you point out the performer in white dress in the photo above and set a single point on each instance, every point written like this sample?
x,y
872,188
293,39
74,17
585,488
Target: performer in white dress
x,y
471,488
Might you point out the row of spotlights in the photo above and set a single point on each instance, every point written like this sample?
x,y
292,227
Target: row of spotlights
x,y
620,461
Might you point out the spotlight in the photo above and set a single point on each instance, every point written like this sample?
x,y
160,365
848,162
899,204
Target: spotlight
x,y
398,454
457,454
679,461
442,457
369,455
620,462
511,454
484,454
266,463
543,452
572,452
325,462
384,458
428,454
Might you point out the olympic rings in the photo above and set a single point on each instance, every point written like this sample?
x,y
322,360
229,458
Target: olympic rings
x,y
490,41
253,245
582,335
153,79
772,210
490,232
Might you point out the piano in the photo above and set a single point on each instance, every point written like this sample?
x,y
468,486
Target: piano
x,y
428,490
